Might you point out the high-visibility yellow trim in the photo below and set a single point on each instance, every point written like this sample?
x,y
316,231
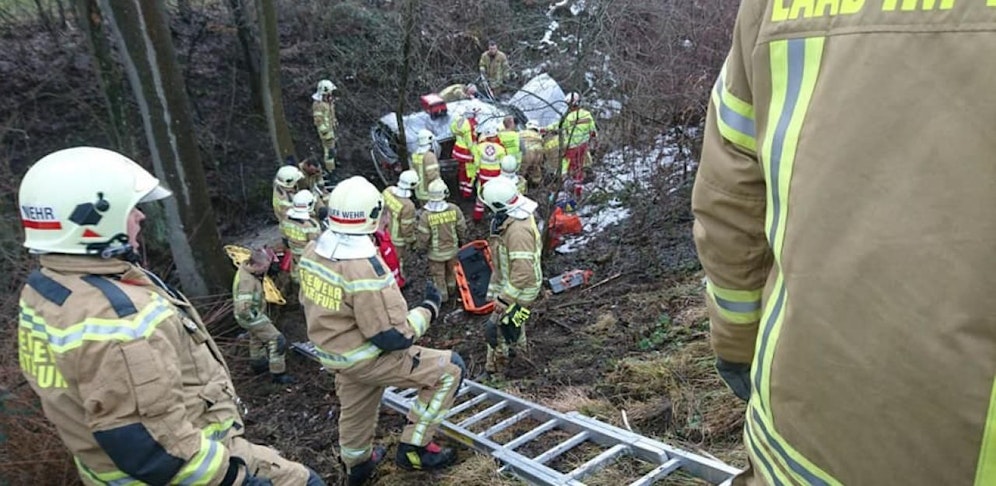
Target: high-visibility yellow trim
x,y
418,322
795,66
201,468
354,455
434,412
734,117
773,470
985,473
736,306
141,325
333,361
353,286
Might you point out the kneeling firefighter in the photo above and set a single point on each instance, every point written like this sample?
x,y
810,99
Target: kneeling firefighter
x,y
364,333
517,276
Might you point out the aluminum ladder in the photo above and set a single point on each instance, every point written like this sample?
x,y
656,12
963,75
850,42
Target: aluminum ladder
x,y
504,427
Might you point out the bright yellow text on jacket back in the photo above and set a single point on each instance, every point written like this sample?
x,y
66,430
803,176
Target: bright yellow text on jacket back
x,y
321,292
445,217
38,361
782,10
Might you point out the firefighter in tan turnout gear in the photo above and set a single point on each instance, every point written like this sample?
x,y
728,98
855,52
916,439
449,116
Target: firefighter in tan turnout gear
x,y
284,187
399,211
441,229
365,334
326,123
300,228
267,346
517,276
844,218
425,164
124,367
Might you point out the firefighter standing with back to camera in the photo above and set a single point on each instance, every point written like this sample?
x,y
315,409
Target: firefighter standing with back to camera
x,y
122,362
364,332
441,227
844,217
517,276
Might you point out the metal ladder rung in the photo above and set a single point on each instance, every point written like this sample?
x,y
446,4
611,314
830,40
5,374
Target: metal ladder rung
x,y
562,447
465,405
598,462
483,414
532,434
504,424
658,472
408,393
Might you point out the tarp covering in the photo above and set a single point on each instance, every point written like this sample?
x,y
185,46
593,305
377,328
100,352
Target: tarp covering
x,y
541,99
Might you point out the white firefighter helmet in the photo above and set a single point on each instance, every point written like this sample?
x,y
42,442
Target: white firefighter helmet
x,y
78,201
438,190
500,195
304,204
287,176
572,98
354,207
425,138
472,111
325,87
408,180
509,164
532,125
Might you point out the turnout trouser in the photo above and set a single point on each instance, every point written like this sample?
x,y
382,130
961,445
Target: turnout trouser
x,y
266,343
443,277
359,388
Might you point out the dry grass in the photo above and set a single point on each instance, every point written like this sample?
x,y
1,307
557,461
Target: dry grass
x,y
680,397
479,469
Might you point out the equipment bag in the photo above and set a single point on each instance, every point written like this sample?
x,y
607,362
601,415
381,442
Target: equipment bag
x,y
473,274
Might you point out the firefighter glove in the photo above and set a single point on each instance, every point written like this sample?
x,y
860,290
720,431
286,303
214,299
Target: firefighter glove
x,y
433,299
516,316
736,376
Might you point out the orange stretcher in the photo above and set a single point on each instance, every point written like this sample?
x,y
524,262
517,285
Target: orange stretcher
x,y
473,274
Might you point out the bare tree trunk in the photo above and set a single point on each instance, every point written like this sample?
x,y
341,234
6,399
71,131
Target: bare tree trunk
x,y
109,74
141,30
250,48
272,100
408,25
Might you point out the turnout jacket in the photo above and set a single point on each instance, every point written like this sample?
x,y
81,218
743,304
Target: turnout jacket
x,y
349,302
127,373
844,217
401,217
441,228
516,251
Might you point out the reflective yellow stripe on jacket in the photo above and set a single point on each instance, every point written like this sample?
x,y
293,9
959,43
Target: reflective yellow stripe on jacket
x,y
353,286
795,64
985,472
140,325
735,117
736,306
333,361
198,471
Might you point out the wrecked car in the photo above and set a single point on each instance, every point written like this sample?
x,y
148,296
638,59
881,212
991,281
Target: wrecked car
x,y
541,99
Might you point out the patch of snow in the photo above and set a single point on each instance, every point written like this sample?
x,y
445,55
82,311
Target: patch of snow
x,y
627,169
595,221
578,7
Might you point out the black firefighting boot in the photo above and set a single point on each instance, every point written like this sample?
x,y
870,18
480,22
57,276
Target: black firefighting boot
x,y
428,458
360,473
259,366
282,379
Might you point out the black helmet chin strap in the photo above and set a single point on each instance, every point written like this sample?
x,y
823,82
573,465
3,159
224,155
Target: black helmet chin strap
x,y
497,220
108,249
